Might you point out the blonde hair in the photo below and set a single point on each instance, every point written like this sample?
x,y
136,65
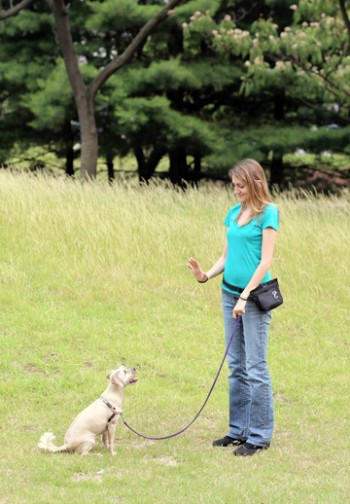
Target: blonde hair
x,y
251,173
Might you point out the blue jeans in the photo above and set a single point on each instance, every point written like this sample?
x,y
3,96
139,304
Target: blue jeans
x,y
251,402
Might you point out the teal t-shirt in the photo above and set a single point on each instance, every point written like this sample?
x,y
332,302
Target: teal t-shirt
x,y
244,245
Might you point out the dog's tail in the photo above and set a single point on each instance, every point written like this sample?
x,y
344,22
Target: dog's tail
x,y
46,443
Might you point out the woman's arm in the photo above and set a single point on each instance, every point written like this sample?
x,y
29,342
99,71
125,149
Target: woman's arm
x,y
214,271
269,236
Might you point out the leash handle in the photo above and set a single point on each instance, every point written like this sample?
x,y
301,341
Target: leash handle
x,y
203,405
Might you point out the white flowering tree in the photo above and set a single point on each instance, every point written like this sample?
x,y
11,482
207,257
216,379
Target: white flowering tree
x,y
304,65
310,59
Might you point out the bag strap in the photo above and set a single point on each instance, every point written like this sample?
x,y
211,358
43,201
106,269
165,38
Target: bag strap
x,y
232,287
266,285
240,290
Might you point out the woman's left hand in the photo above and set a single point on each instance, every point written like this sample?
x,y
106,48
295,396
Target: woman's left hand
x,y
239,308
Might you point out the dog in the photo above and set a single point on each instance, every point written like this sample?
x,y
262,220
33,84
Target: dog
x,y
99,418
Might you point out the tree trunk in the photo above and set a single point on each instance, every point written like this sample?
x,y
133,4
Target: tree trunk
x,y
176,40
147,166
141,163
110,168
277,169
68,138
197,168
89,138
178,170
277,166
279,103
70,161
83,97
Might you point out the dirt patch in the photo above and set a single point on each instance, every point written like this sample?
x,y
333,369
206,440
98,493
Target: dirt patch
x,y
28,428
141,444
31,368
167,460
281,397
79,477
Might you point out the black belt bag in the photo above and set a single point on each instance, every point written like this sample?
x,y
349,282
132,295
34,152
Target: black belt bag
x,y
266,296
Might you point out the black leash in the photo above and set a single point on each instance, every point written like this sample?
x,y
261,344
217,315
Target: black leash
x,y
204,404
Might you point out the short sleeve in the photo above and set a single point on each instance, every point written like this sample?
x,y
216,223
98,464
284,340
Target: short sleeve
x,y
270,217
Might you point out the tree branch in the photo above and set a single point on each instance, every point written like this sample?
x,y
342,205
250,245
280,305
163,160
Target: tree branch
x,y
331,85
14,10
345,16
140,38
341,119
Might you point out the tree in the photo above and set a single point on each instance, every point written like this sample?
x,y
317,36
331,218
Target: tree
x,y
164,108
296,73
84,94
171,99
52,106
215,82
22,67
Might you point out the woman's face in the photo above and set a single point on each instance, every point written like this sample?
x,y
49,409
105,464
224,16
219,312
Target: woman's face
x,y
241,189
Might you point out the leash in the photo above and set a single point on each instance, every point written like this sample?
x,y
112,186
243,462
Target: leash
x,y
202,407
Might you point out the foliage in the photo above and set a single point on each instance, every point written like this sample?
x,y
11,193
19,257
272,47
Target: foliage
x,y
216,81
21,66
309,58
52,101
295,77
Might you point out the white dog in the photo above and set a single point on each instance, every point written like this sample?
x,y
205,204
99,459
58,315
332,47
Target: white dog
x,y
100,417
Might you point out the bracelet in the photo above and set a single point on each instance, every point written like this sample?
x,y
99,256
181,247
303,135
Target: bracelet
x,y
240,297
203,281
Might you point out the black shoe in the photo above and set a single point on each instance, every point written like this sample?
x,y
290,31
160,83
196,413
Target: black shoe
x,y
249,449
227,440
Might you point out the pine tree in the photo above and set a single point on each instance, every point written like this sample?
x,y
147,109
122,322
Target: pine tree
x,y
84,91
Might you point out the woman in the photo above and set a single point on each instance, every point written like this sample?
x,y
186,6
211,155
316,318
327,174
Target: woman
x,y
252,226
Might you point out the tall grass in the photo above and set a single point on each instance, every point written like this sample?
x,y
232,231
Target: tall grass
x,y
93,276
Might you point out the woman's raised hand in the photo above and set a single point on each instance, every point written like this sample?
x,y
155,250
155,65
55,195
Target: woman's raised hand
x,y
196,269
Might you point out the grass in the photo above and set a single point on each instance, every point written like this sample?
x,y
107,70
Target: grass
x,y
93,276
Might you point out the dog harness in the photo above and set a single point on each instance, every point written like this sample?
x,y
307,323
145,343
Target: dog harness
x,y
111,407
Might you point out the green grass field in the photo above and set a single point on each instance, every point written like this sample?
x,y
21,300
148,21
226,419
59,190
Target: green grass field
x,y
93,276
